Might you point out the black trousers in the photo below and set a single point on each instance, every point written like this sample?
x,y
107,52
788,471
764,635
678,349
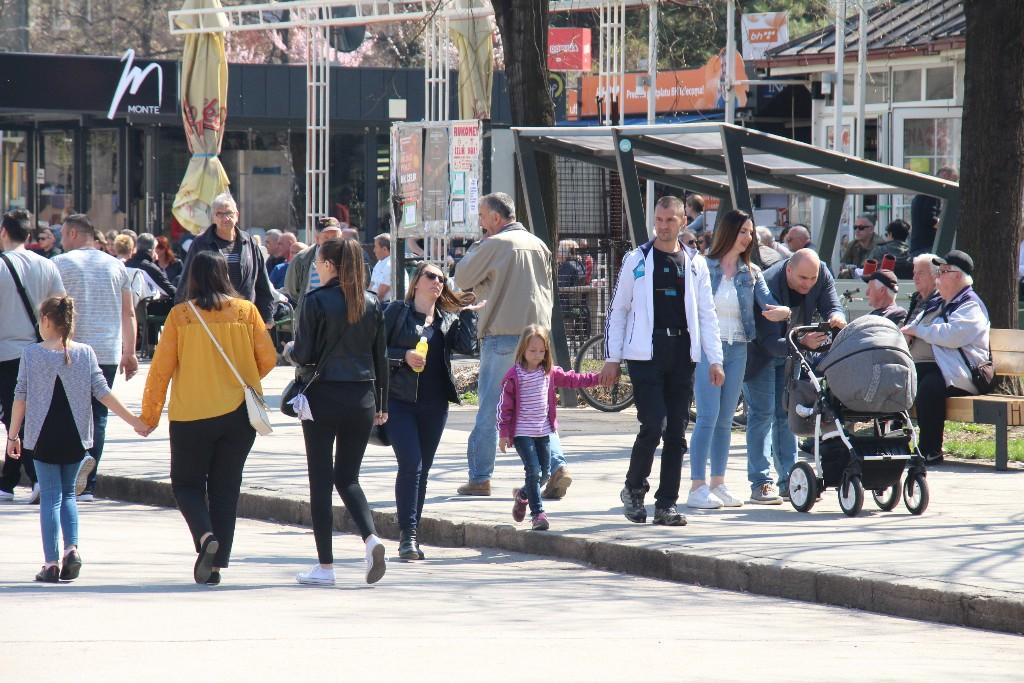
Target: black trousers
x,y
207,457
336,441
932,393
663,387
11,474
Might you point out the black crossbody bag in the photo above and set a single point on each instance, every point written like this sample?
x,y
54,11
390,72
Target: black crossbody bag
x,y
299,386
23,294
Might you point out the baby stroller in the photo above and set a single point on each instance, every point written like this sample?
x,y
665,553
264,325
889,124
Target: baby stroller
x,y
866,375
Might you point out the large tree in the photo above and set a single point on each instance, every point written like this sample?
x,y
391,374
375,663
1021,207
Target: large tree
x,y
992,160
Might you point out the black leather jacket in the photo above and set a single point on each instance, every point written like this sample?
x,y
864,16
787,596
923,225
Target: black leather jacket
x,y
357,353
403,332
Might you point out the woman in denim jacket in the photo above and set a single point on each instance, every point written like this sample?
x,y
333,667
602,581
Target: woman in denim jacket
x,y
739,289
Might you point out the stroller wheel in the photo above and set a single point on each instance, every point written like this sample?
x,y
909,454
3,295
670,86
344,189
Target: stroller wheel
x,y
887,499
803,487
915,493
851,496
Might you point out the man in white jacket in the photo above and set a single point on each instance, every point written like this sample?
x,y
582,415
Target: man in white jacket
x,y
661,318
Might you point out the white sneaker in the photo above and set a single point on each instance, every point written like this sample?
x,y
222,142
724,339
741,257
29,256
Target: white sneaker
x,y
317,576
376,559
33,498
728,500
84,470
6,497
703,499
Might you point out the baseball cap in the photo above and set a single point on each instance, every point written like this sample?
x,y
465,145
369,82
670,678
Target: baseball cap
x,y
960,259
886,277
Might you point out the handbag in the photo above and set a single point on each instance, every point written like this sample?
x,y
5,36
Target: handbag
x,y
255,406
23,294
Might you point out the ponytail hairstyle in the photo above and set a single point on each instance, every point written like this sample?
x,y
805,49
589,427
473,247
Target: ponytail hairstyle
x,y
60,311
347,258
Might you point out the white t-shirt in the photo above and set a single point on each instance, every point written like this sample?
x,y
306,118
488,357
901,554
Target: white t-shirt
x,y
381,275
41,280
96,280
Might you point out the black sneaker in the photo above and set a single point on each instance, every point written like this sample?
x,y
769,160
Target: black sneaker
x,y
633,504
49,574
669,517
72,566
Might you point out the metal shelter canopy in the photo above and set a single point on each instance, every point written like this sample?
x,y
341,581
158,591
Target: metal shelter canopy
x,y
728,162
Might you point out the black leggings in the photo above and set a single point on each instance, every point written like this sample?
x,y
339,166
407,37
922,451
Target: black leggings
x,y
207,457
342,420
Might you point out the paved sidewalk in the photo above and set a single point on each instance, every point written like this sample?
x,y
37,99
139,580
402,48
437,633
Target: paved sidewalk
x,y
464,614
961,562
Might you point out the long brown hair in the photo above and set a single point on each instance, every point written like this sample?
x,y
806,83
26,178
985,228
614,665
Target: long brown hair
x,y
449,300
163,246
727,232
347,258
529,333
60,311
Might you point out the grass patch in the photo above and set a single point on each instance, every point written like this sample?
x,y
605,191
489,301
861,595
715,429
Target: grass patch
x,y
470,398
977,441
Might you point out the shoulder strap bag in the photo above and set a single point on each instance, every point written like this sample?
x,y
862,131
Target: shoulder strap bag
x,y
298,387
255,406
984,375
23,294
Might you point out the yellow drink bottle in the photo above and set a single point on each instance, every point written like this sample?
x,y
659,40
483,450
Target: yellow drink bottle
x,y
421,349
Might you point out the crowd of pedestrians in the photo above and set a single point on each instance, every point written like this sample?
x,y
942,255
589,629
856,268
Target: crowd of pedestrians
x,y
691,319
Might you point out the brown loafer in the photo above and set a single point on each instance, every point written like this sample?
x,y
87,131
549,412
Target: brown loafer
x,y
475,488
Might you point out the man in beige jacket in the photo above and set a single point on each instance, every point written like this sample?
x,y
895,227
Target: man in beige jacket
x,y
510,268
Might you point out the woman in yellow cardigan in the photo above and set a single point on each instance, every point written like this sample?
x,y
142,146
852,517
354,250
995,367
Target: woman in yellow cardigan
x,y
210,431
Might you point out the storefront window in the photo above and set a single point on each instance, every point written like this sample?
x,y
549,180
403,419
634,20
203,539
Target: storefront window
x,y
928,145
939,83
876,90
102,180
13,169
906,85
56,183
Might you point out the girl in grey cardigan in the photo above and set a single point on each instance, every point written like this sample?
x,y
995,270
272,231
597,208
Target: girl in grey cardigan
x,y
56,380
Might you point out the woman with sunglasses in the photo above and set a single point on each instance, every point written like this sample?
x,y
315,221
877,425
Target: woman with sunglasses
x,y
739,288
421,387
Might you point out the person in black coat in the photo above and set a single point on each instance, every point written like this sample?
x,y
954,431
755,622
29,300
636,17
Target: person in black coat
x,y
421,388
143,260
246,266
341,335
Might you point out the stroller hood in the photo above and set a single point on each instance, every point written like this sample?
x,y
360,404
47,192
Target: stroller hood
x,y
869,367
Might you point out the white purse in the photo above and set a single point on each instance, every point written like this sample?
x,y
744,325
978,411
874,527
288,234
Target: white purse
x,y
255,406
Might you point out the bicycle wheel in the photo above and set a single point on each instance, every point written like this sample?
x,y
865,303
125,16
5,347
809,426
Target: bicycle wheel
x,y
591,359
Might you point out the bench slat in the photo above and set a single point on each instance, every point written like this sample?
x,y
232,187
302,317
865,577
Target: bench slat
x,y
961,408
1008,351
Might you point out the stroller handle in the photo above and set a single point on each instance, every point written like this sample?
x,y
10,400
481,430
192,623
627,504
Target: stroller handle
x,y
823,327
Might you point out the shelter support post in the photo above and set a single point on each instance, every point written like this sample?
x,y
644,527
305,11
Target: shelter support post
x,y
830,225
529,174
732,148
724,206
630,180
949,221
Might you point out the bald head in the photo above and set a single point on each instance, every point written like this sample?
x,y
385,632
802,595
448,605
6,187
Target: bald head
x,y
802,270
797,238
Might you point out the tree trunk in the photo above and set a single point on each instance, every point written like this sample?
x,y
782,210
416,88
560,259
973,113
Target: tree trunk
x,y
992,157
524,38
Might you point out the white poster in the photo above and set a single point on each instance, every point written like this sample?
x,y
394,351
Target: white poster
x,y
762,32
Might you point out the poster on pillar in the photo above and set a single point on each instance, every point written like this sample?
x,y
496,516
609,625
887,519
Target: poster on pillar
x,y
465,162
407,183
435,180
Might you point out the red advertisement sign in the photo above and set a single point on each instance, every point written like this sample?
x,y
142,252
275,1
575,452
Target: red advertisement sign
x,y
569,49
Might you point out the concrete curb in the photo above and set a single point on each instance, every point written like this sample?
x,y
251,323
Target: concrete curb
x,y
921,599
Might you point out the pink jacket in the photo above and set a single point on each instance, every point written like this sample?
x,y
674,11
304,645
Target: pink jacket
x,y
508,405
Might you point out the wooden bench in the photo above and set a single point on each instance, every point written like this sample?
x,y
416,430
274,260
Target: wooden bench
x,y
995,409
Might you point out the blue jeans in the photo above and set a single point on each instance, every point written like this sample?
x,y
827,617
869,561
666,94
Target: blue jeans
x,y
535,454
58,510
99,425
768,426
715,408
415,431
496,357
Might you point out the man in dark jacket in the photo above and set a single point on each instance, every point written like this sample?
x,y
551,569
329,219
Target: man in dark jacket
x,y
143,260
924,216
896,234
246,265
803,283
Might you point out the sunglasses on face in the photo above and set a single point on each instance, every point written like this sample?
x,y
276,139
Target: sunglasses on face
x,y
690,243
434,277
862,227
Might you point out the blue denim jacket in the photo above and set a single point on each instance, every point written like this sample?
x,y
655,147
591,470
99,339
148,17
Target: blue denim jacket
x,y
750,288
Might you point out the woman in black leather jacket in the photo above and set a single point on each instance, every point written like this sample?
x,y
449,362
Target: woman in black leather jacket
x,y
341,331
421,389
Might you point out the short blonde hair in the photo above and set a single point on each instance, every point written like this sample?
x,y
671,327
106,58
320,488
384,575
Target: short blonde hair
x,y
529,333
123,245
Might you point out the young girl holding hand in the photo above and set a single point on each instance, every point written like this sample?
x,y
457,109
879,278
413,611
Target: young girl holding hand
x,y
56,380
526,414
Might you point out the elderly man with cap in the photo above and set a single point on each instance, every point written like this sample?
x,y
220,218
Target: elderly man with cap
x,y
948,339
881,294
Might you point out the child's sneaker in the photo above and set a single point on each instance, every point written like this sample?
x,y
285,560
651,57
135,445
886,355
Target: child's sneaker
x,y
519,506
540,522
